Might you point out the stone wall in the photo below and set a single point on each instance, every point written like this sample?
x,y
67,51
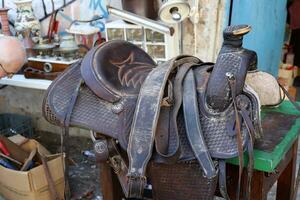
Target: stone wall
x,y
204,39
28,102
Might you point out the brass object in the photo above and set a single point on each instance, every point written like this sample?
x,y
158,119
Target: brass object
x,y
43,48
67,44
243,30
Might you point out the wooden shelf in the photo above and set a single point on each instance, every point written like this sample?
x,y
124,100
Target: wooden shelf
x,y
19,80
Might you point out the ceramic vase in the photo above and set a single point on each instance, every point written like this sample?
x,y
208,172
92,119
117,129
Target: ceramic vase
x,y
25,18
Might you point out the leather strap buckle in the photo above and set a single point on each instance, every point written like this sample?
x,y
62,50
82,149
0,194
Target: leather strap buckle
x,y
101,150
136,185
168,101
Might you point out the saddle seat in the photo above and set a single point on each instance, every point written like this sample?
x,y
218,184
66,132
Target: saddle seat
x,y
116,70
112,74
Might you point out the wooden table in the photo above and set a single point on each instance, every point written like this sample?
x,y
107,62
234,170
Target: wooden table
x,y
275,156
274,159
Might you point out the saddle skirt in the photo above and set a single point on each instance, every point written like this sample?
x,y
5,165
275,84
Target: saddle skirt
x,y
219,127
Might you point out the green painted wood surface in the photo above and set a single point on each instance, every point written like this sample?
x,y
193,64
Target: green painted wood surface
x,y
267,161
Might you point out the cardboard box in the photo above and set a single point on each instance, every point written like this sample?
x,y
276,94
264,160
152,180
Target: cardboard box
x,y
32,184
293,92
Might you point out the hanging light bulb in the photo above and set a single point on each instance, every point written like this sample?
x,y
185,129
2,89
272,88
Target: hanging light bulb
x,y
175,14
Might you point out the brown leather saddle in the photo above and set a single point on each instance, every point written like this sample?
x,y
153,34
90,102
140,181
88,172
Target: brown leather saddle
x,y
195,114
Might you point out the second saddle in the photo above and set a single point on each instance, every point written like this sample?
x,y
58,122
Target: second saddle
x,y
175,123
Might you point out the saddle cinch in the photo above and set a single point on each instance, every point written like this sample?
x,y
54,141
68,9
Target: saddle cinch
x,y
171,125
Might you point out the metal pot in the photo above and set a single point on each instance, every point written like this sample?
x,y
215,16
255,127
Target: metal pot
x,y
146,8
68,44
43,49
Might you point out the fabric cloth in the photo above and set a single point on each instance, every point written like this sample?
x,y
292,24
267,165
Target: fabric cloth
x,y
294,11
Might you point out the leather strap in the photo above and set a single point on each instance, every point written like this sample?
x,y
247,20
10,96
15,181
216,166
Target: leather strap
x,y
289,97
144,124
106,151
251,131
172,126
30,72
118,164
222,179
193,126
53,192
232,84
65,137
250,168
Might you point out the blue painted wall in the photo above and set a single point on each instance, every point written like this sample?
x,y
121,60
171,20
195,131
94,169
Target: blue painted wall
x,y
268,19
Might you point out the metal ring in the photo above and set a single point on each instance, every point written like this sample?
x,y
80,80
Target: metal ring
x,y
48,67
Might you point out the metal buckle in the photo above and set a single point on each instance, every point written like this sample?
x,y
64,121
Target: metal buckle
x,y
115,163
135,176
168,101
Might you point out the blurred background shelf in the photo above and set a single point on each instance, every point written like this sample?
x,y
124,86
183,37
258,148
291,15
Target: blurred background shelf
x,y
20,81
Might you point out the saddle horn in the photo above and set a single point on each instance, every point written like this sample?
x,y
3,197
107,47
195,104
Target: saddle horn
x,y
233,58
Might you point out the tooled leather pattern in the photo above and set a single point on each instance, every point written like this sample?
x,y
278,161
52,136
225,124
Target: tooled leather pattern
x,y
131,72
111,123
167,180
99,117
219,142
218,90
